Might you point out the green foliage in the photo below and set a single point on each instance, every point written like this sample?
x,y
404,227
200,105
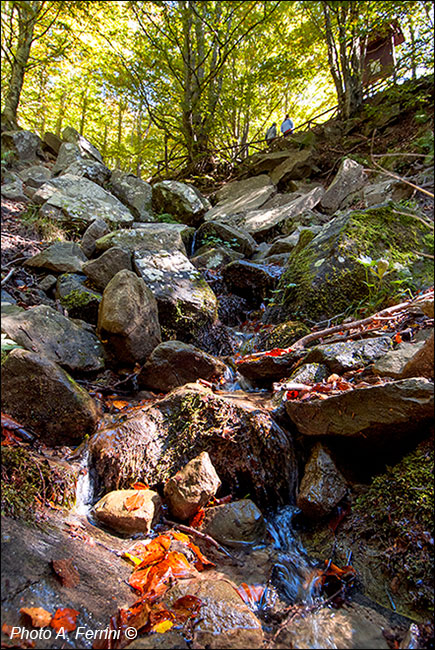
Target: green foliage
x,y
166,218
217,242
46,228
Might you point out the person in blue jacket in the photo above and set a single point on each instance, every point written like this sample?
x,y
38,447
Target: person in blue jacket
x,y
287,126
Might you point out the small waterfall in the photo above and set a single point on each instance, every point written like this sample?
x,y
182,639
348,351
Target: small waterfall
x,y
85,486
193,244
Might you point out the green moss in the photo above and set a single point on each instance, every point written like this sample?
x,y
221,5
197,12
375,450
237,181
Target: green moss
x,y
30,481
77,298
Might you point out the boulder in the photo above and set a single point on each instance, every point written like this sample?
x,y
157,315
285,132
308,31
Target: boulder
x,y
79,301
185,301
240,196
251,280
421,364
280,336
184,202
380,412
264,369
225,620
85,147
392,364
213,258
128,319
218,233
94,231
134,193
115,512
170,640
173,364
79,201
347,355
235,524
51,143
68,154
349,178
44,398
47,283
101,270
322,485
247,448
90,169
61,257
35,176
14,191
325,276
287,244
44,330
391,190
191,487
149,237
299,164
25,145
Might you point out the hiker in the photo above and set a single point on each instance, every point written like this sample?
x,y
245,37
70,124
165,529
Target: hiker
x,y
271,134
287,126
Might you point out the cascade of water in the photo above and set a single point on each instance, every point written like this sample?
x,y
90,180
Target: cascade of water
x,y
85,486
193,244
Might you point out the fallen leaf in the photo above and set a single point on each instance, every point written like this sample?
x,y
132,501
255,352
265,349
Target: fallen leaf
x,y
202,562
7,629
397,338
252,595
38,616
186,607
66,571
140,486
197,519
64,618
134,501
163,626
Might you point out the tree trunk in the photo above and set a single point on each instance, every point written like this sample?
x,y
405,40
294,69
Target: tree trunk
x,y
27,17
119,137
83,112
61,114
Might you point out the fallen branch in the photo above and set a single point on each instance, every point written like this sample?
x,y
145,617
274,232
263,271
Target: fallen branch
x,y
207,538
8,276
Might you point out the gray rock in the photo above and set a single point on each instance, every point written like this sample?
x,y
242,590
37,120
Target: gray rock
x,y
91,169
35,176
287,244
182,201
322,485
174,364
149,237
421,364
134,193
298,164
62,257
240,196
213,258
96,230
47,283
393,363
191,487
251,279
238,239
310,373
79,301
185,301
111,511
25,145
390,190
101,270
381,412
265,369
347,355
68,154
350,178
14,191
51,142
234,524
86,148
45,331
128,319
52,404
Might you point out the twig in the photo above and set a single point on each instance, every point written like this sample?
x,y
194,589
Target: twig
x,y
409,214
18,259
207,538
303,612
8,276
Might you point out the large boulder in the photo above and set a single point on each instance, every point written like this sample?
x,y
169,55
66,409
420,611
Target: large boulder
x,y
191,487
44,398
234,524
322,485
68,154
218,233
393,363
51,143
128,320
61,257
350,178
347,355
173,364
69,134
25,145
185,301
240,196
44,330
101,270
149,237
213,258
35,176
134,193
326,275
115,512
421,364
251,280
14,190
265,368
380,412
249,451
299,164
184,202
79,201
90,169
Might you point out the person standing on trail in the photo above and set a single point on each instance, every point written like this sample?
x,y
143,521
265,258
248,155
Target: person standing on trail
x,y
287,126
271,134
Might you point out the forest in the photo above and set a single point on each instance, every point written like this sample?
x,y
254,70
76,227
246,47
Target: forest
x,y
217,324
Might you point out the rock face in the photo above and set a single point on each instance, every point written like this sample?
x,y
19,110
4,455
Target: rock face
x,y
173,364
63,257
80,301
247,448
392,409
128,319
217,233
322,485
182,201
101,270
324,277
68,154
241,196
42,396
86,148
297,165
234,524
134,193
90,169
25,145
191,487
346,355
44,330
185,301
115,511
350,178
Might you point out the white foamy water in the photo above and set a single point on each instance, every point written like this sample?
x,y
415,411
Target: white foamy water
x,y
84,487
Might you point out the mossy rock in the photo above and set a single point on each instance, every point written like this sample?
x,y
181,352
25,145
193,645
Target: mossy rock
x,y
30,481
281,336
324,277
80,301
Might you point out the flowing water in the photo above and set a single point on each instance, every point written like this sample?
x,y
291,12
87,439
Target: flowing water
x,y
85,488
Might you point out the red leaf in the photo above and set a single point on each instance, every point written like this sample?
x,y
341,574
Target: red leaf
x,y
397,338
65,619
140,486
134,501
202,562
186,607
38,616
277,352
197,519
153,552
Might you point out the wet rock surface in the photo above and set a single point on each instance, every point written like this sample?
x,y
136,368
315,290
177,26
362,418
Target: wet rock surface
x,y
322,485
237,524
117,511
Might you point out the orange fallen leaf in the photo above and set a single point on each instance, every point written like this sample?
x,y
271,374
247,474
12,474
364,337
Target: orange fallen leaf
x,y
397,338
64,618
186,607
251,594
140,486
38,616
134,501
202,562
163,626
